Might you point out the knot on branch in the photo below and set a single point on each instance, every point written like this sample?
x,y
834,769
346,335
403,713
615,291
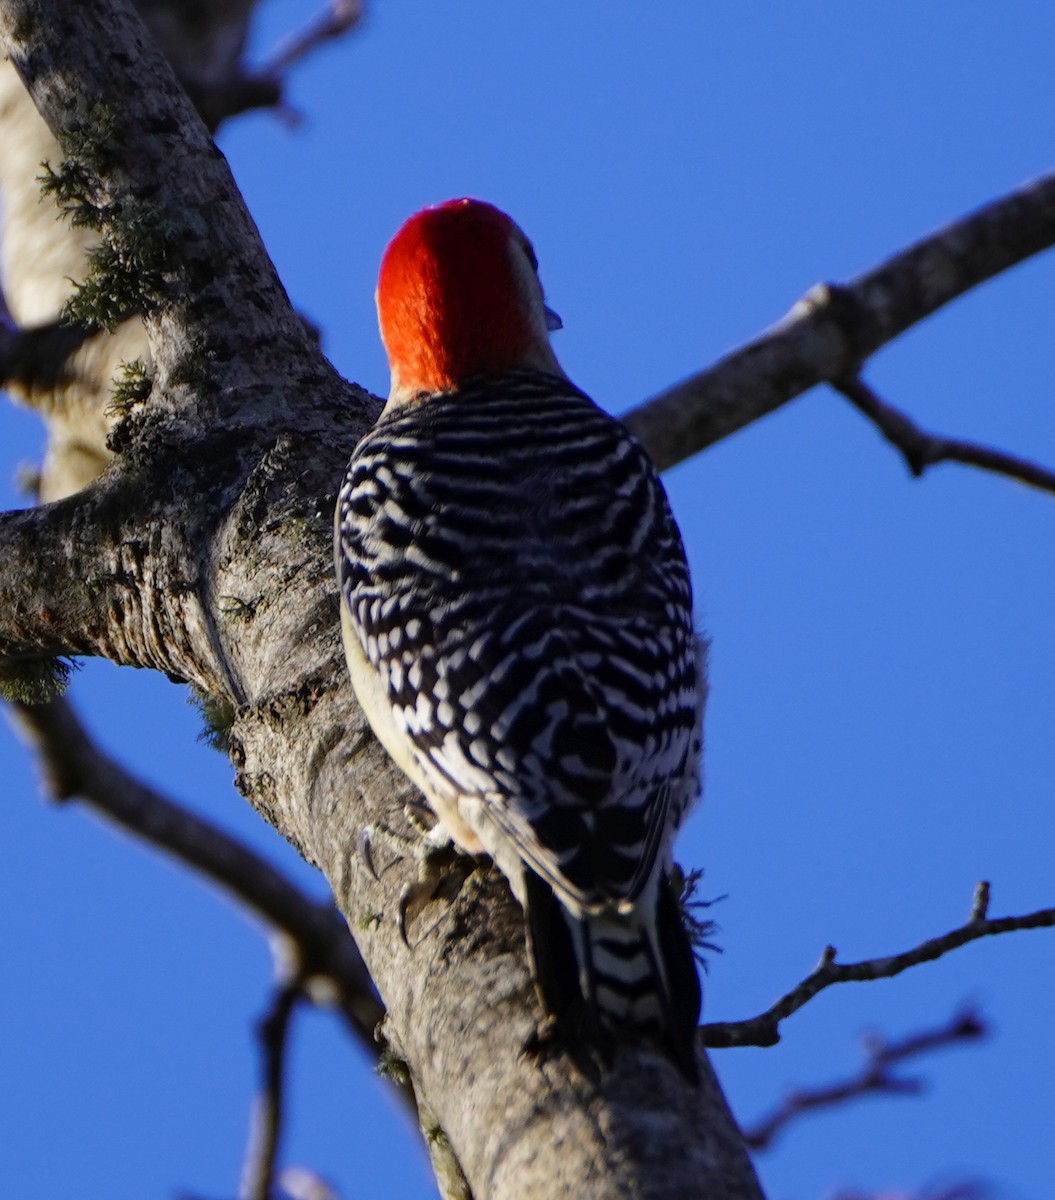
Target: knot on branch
x,y
841,307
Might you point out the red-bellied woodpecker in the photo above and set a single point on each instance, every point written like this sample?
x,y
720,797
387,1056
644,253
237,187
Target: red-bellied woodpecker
x,y
517,618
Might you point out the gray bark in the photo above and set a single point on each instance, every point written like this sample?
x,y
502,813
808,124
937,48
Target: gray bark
x,y
204,551
830,333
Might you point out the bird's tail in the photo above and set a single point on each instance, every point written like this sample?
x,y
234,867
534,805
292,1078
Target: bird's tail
x,y
613,973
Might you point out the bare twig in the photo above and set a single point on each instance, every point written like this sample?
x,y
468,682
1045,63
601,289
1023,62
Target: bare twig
x,y
921,450
764,1030
832,330
219,99
73,766
340,17
876,1076
258,1173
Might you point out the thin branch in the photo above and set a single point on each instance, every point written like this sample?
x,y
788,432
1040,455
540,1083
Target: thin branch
x,y
340,18
764,1030
258,1174
921,450
875,1077
833,329
74,767
219,99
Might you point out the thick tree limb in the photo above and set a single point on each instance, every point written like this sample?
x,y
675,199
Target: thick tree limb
x,y
71,389
921,450
225,315
764,1030
876,1077
148,576
833,329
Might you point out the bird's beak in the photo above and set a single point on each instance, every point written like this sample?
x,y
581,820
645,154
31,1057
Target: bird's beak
x,y
553,321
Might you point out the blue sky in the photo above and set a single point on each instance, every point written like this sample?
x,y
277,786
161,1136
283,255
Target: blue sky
x,y
883,662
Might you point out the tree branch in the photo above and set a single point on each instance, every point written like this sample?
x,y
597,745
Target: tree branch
x,y
874,1077
258,1173
239,91
339,18
99,574
834,328
234,374
126,125
40,355
764,1030
73,766
921,450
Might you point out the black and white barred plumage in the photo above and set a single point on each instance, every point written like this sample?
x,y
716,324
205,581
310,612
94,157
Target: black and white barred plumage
x,y
514,577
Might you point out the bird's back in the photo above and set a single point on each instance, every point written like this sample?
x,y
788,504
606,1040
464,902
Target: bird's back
x,y
515,575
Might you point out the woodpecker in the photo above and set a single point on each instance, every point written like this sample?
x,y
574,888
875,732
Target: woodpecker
x,y
517,620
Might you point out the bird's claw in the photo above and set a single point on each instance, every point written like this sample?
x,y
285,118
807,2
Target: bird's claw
x,y
366,852
433,851
435,855
400,844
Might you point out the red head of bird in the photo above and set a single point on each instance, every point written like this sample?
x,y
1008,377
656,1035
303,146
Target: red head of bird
x,y
458,296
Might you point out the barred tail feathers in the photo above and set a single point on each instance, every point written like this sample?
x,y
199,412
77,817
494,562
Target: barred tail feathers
x,y
611,972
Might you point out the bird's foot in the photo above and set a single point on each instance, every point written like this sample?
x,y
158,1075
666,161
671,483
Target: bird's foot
x,y
433,851
420,819
435,858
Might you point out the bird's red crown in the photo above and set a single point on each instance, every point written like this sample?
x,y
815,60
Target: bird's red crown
x,y
457,297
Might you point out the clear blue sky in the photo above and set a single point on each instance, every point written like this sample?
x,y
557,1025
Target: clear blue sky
x,y
880,733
